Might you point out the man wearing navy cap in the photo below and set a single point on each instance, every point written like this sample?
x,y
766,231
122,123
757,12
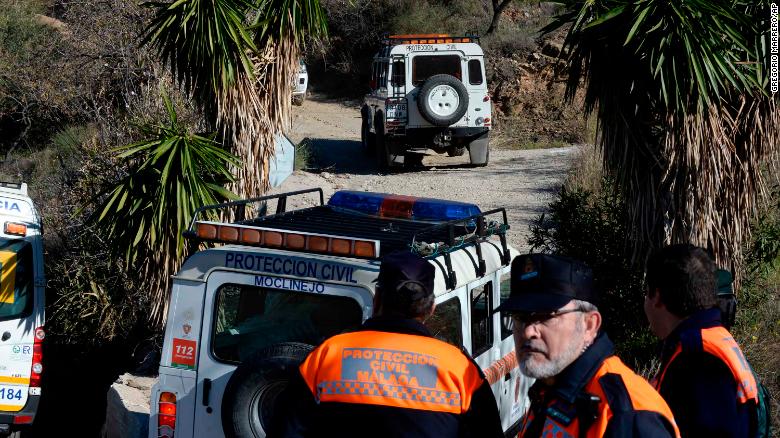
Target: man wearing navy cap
x,y
582,388
392,378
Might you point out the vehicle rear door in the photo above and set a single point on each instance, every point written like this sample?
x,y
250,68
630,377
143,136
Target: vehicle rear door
x,y
250,312
19,317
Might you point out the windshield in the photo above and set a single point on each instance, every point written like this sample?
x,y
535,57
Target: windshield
x,y
250,318
16,278
424,66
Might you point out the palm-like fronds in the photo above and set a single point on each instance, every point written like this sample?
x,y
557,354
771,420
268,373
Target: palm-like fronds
x,y
205,42
238,59
171,173
684,121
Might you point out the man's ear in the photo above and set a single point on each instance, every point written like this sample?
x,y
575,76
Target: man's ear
x,y
655,299
592,325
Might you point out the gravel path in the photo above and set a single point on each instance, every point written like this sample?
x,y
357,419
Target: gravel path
x,y
522,181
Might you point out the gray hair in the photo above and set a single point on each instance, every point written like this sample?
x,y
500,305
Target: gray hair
x,y
585,306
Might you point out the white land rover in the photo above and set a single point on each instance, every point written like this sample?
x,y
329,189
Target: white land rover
x,y
246,311
427,92
21,309
300,83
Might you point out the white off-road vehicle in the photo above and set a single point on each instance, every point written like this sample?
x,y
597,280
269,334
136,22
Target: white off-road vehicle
x,y
21,309
427,92
244,312
301,82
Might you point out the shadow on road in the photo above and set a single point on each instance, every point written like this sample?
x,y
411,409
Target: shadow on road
x,y
347,156
340,156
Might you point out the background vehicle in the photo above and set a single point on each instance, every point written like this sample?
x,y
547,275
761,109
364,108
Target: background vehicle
x,y
301,83
243,315
21,308
427,92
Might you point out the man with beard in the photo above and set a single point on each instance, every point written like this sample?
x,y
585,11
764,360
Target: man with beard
x,y
582,388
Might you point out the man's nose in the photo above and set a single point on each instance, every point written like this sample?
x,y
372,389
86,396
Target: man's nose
x,y
530,330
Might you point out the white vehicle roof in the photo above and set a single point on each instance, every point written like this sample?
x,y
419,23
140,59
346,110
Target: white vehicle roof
x,y
16,205
470,251
430,44
365,272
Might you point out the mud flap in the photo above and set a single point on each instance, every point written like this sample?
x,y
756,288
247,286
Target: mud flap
x,y
479,153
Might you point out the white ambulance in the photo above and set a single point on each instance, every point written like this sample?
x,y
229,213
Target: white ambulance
x,y
244,312
21,309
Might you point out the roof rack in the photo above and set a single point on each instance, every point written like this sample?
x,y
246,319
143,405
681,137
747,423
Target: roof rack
x,y
429,38
331,229
482,230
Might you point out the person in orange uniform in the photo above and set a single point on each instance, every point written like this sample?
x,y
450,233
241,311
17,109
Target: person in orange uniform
x,y
392,378
582,388
703,376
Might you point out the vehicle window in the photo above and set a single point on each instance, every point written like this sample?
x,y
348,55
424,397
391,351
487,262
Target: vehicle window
x,y
505,325
424,66
383,74
250,318
445,323
481,319
399,74
374,69
475,72
16,278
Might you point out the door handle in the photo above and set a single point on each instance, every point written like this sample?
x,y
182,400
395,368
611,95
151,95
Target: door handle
x,y
206,391
6,336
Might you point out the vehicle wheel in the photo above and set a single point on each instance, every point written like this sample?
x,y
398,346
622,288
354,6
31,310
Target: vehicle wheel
x,y
442,100
413,160
383,158
456,151
253,390
298,100
479,151
367,138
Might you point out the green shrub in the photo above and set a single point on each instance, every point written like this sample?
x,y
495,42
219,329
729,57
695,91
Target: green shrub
x,y
589,226
757,326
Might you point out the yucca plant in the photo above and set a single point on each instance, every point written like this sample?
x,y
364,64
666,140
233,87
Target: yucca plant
x,y
170,174
237,58
684,119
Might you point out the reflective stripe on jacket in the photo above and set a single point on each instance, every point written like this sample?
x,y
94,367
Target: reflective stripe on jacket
x,y
718,342
392,369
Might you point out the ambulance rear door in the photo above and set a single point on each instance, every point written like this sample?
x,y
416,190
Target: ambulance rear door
x,y
21,301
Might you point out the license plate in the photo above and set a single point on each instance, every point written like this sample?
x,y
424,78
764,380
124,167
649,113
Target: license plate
x,y
396,111
12,397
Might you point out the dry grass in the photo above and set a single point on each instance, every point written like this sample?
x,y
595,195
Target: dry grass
x,y
758,332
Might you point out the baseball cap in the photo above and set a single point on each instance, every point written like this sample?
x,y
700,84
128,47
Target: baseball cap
x,y
546,282
401,269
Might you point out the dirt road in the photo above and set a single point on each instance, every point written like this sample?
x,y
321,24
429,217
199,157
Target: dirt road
x,y
522,181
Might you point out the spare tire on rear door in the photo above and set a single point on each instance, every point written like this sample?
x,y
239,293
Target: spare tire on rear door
x,y
253,390
442,100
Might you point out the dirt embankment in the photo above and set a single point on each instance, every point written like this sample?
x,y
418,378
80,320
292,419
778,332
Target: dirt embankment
x,y
522,181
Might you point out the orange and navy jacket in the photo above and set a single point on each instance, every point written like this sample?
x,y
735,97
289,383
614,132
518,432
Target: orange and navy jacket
x,y
597,396
706,380
390,379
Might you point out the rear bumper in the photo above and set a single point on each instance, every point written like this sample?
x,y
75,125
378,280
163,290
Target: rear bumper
x,y
424,135
29,411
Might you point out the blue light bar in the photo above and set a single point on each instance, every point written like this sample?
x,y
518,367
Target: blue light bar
x,y
401,206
